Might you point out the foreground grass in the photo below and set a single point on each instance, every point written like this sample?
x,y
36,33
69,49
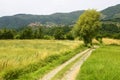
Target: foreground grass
x,y
52,62
103,64
30,59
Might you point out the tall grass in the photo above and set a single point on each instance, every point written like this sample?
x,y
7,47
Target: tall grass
x,y
19,57
108,41
103,64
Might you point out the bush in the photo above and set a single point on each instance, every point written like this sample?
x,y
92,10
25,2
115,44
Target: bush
x,y
48,37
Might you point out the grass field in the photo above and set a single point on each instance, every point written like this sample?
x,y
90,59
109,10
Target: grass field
x,y
108,41
31,59
25,56
103,64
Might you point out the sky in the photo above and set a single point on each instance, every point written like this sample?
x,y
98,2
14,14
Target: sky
x,y
45,7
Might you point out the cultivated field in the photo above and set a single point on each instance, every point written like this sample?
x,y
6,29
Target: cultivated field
x,y
32,59
24,56
103,64
108,41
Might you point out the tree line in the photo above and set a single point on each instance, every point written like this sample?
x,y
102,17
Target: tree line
x,y
38,32
106,30
87,27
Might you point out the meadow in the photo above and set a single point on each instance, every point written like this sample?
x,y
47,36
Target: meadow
x,y
18,57
31,59
103,64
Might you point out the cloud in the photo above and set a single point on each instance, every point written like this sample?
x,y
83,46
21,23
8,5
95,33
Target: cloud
x,y
10,7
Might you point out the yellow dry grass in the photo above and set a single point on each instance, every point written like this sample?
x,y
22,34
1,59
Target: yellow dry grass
x,y
111,41
108,41
19,53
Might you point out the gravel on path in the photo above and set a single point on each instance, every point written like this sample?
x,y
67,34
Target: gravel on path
x,y
72,73
52,73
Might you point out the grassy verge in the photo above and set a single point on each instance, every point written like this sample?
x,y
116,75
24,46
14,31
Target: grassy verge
x,y
51,63
103,64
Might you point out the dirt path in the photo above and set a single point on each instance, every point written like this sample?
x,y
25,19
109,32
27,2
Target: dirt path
x,y
72,73
55,71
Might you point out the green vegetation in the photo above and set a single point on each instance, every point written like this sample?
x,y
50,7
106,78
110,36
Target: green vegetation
x,y
59,34
103,64
111,12
46,26
110,29
7,34
87,26
31,59
21,20
37,32
61,73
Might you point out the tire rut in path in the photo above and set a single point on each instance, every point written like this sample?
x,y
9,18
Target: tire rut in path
x,y
72,73
52,73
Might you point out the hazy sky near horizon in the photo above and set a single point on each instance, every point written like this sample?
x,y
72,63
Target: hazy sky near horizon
x,y
44,7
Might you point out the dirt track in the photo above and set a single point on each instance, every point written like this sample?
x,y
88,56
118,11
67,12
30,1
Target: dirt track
x,y
74,70
72,73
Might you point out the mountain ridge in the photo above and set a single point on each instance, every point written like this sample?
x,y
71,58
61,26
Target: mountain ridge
x,y
21,20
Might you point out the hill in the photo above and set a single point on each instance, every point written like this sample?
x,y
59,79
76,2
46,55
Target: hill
x,y
111,12
20,20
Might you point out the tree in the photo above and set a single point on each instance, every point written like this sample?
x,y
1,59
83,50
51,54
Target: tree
x,y
59,34
7,34
87,26
27,33
38,33
69,36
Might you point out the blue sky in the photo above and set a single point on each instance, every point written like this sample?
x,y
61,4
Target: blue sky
x,y
43,7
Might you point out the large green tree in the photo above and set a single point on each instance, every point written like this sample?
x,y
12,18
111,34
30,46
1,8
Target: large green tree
x,y
87,26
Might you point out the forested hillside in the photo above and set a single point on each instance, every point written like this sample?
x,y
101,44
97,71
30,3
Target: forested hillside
x,y
111,12
20,20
